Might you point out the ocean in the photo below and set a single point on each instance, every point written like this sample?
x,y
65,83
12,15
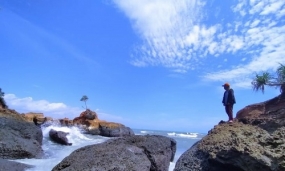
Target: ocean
x,y
54,153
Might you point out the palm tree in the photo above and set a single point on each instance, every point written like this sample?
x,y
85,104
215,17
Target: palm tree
x,y
2,101
84,98
281,77
260,81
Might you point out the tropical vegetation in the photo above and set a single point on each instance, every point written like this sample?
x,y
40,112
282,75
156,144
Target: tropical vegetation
x,y
273,80
2,100
84,98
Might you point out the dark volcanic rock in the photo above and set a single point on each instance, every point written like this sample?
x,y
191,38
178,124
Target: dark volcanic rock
x,y
236,147
18,139
6,165
255,143
106,129
132,153
59,137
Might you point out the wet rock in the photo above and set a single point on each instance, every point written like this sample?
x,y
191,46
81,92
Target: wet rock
x,y
59,137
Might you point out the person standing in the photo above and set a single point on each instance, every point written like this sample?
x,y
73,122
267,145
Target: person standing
x,y
229,100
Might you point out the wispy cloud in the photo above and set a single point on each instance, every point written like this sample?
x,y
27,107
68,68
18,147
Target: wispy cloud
x,y
163,27
263,35
182,34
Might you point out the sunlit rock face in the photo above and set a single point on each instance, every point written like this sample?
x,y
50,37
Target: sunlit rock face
x,y
254,141
268,115
40,117
89,121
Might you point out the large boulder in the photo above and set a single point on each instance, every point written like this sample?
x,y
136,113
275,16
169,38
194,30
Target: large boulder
x,y
254,141
86,115
59,137
136,153
109,129
18,138
89,121
236,147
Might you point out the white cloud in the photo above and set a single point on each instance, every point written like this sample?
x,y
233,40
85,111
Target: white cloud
x,y
164,28
263,42
242,75
181,34
54,110
257,7
255,23
272,7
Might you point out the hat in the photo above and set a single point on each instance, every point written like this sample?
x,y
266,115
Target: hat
x,y
226,84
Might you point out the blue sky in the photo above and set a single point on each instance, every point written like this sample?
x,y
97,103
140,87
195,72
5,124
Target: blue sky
x,y
148,64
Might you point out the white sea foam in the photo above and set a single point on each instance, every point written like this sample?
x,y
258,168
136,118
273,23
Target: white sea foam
x,y
146,132
54,153
171,134
184,135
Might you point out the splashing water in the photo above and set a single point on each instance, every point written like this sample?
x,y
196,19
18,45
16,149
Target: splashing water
x,y
54,153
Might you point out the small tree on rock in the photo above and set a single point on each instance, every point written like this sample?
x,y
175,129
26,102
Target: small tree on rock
x,y
265,78
84,98
2,101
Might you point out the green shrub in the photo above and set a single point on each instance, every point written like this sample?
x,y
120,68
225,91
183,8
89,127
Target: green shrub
x,y
2,101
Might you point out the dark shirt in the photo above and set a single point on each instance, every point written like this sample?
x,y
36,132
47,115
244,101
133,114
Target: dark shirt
x,y
229,97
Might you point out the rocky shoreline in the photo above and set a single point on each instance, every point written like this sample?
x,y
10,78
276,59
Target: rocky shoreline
x,y
254,141
20,138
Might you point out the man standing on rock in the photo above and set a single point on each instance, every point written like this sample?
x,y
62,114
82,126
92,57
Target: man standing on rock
x,y
229,100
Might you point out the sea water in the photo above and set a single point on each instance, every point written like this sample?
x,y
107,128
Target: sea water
x,y
55,153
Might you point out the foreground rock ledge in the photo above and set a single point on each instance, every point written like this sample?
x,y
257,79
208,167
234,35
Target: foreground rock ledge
x,y
132,153
18,138
254,142
6,165
236,147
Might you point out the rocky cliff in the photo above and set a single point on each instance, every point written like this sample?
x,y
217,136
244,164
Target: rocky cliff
x,y
268,115
254,141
